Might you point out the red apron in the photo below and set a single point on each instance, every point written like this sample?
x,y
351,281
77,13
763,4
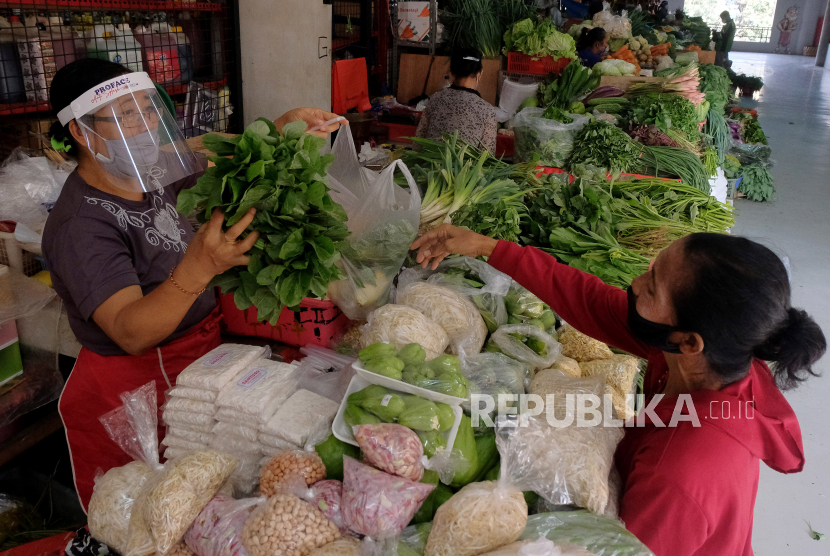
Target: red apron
x,y
95,383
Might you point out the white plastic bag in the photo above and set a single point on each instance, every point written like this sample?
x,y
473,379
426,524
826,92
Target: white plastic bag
x,y
186,418
111,503
183,444
240,431
401,325
187,434
458,317
234,417
216,368
29,187
552,140
193,394
383,221
617,26
259,389
305,418
20,295
217,531
515,348
191,406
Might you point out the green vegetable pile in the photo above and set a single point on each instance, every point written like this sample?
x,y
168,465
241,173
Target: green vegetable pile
x,y
481,24
538,39
715,84
757,183
576,80
283,176
666,111
751,130
442,374
606,146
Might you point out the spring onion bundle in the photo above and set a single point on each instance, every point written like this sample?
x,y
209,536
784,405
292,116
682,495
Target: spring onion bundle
x,y
717,128
684,82
671,161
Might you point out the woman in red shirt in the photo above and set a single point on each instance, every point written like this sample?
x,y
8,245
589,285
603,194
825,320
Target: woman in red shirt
x,y
708,313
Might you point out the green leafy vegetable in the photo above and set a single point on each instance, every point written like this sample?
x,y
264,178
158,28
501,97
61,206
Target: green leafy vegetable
x,y
541,39
757,183
283,176
606,146
666,111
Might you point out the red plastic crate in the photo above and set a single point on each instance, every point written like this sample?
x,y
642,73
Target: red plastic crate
x,y
543,170
316,323
400,132
535,65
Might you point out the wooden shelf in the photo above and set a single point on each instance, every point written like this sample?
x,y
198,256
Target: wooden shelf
x,y
29,436
115,5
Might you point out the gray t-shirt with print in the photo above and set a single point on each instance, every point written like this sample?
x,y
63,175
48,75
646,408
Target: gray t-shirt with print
x,y
96,244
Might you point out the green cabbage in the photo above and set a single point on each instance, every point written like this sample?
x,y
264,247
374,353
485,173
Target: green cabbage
x,y
539,40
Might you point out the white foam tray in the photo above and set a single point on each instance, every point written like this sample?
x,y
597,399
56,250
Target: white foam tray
x,y
343,432
402,386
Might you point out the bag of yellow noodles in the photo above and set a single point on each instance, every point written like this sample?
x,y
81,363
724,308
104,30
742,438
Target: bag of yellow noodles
x,y
171,495
483,516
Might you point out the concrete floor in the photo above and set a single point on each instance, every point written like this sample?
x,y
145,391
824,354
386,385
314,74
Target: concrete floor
x,y
794,111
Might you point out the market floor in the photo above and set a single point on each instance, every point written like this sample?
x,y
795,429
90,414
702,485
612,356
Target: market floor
x,y
794,111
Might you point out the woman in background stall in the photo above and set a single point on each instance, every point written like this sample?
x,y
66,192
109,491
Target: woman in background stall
x,y
591,45
460,107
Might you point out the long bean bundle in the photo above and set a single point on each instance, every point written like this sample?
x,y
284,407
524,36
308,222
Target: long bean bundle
x,y
718,129
672,161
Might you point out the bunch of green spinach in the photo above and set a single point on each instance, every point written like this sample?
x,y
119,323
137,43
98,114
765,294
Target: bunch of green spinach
x,y
666,111
606,146
283,176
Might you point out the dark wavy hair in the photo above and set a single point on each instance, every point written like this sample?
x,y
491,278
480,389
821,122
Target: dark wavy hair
x,y
737,298
588,37
70,82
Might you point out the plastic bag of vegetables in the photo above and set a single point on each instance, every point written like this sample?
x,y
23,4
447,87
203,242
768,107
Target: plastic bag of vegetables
x,y
599,534
493,374
458,317
400,325
528,344
553,140
471,278
383,221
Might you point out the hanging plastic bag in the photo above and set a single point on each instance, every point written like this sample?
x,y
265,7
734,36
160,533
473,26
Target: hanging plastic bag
x,y
598,534
458,317
485,515
528,344
552,140
383,221
377,504
474,279
393,448
21,296
217,531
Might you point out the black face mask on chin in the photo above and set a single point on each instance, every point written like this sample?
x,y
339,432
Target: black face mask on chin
x,y
649,332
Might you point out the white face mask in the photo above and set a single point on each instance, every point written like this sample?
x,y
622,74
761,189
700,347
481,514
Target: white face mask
x,y
129,155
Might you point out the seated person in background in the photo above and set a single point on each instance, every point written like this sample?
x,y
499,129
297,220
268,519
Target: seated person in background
x,y
460,107
591,45
663,11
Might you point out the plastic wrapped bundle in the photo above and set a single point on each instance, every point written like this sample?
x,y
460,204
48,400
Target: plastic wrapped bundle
x,y
234,417
188,434
580,347
259,389
187,419
190,405
216,368
112,502
305,418
287,469
459,318
567,365
346,546
598,534
392,448
554,386
284,525
193,394
401,325
538,352
619,373
183,444
493,374
238,431
540,547
217,531
180,549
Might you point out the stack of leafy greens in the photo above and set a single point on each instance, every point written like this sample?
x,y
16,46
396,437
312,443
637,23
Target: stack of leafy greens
x,y
538,39
606,146
576,80
757,183
481,24
283,176
666,111
715,84
468,187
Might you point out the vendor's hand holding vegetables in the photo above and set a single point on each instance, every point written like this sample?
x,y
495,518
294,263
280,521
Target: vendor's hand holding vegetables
x,y
130,270
708,313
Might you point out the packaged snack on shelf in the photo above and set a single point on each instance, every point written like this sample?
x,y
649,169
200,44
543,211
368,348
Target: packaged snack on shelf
x,y
580,347
286,468
259,389
189,405
393,448
216,368
401,325
302,528
459,318
217,531
305,418
377,504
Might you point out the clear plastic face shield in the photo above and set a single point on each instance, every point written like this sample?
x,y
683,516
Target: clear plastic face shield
x,y
132,134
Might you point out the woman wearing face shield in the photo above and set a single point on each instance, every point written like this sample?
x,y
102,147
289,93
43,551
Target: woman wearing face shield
x,y
130,270
707,315
460,107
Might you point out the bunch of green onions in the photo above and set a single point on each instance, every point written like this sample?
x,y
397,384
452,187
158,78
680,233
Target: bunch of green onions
x,y
673,161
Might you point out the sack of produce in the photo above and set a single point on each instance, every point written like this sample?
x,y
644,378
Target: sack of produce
x,y
112,501
524,307
400,325
377,504
458,317
216,368
485,515
393,448
193,406
617,26
383,221
493,374
619,372
474,279
539,547
259,389
551,139
287,468
345,546
217,531
554,386
597,534
528,344
325,495
284,525
304,419
580,347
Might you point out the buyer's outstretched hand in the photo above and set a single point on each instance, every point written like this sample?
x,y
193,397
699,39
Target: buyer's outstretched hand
x,y
435,245
313,117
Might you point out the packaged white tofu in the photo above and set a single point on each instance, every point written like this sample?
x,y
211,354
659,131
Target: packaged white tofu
x,y
304,417
259,389
216,368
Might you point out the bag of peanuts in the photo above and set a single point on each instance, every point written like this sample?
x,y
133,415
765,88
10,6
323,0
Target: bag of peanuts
x,y
284,525
284,470
377,504
395,449
323,495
